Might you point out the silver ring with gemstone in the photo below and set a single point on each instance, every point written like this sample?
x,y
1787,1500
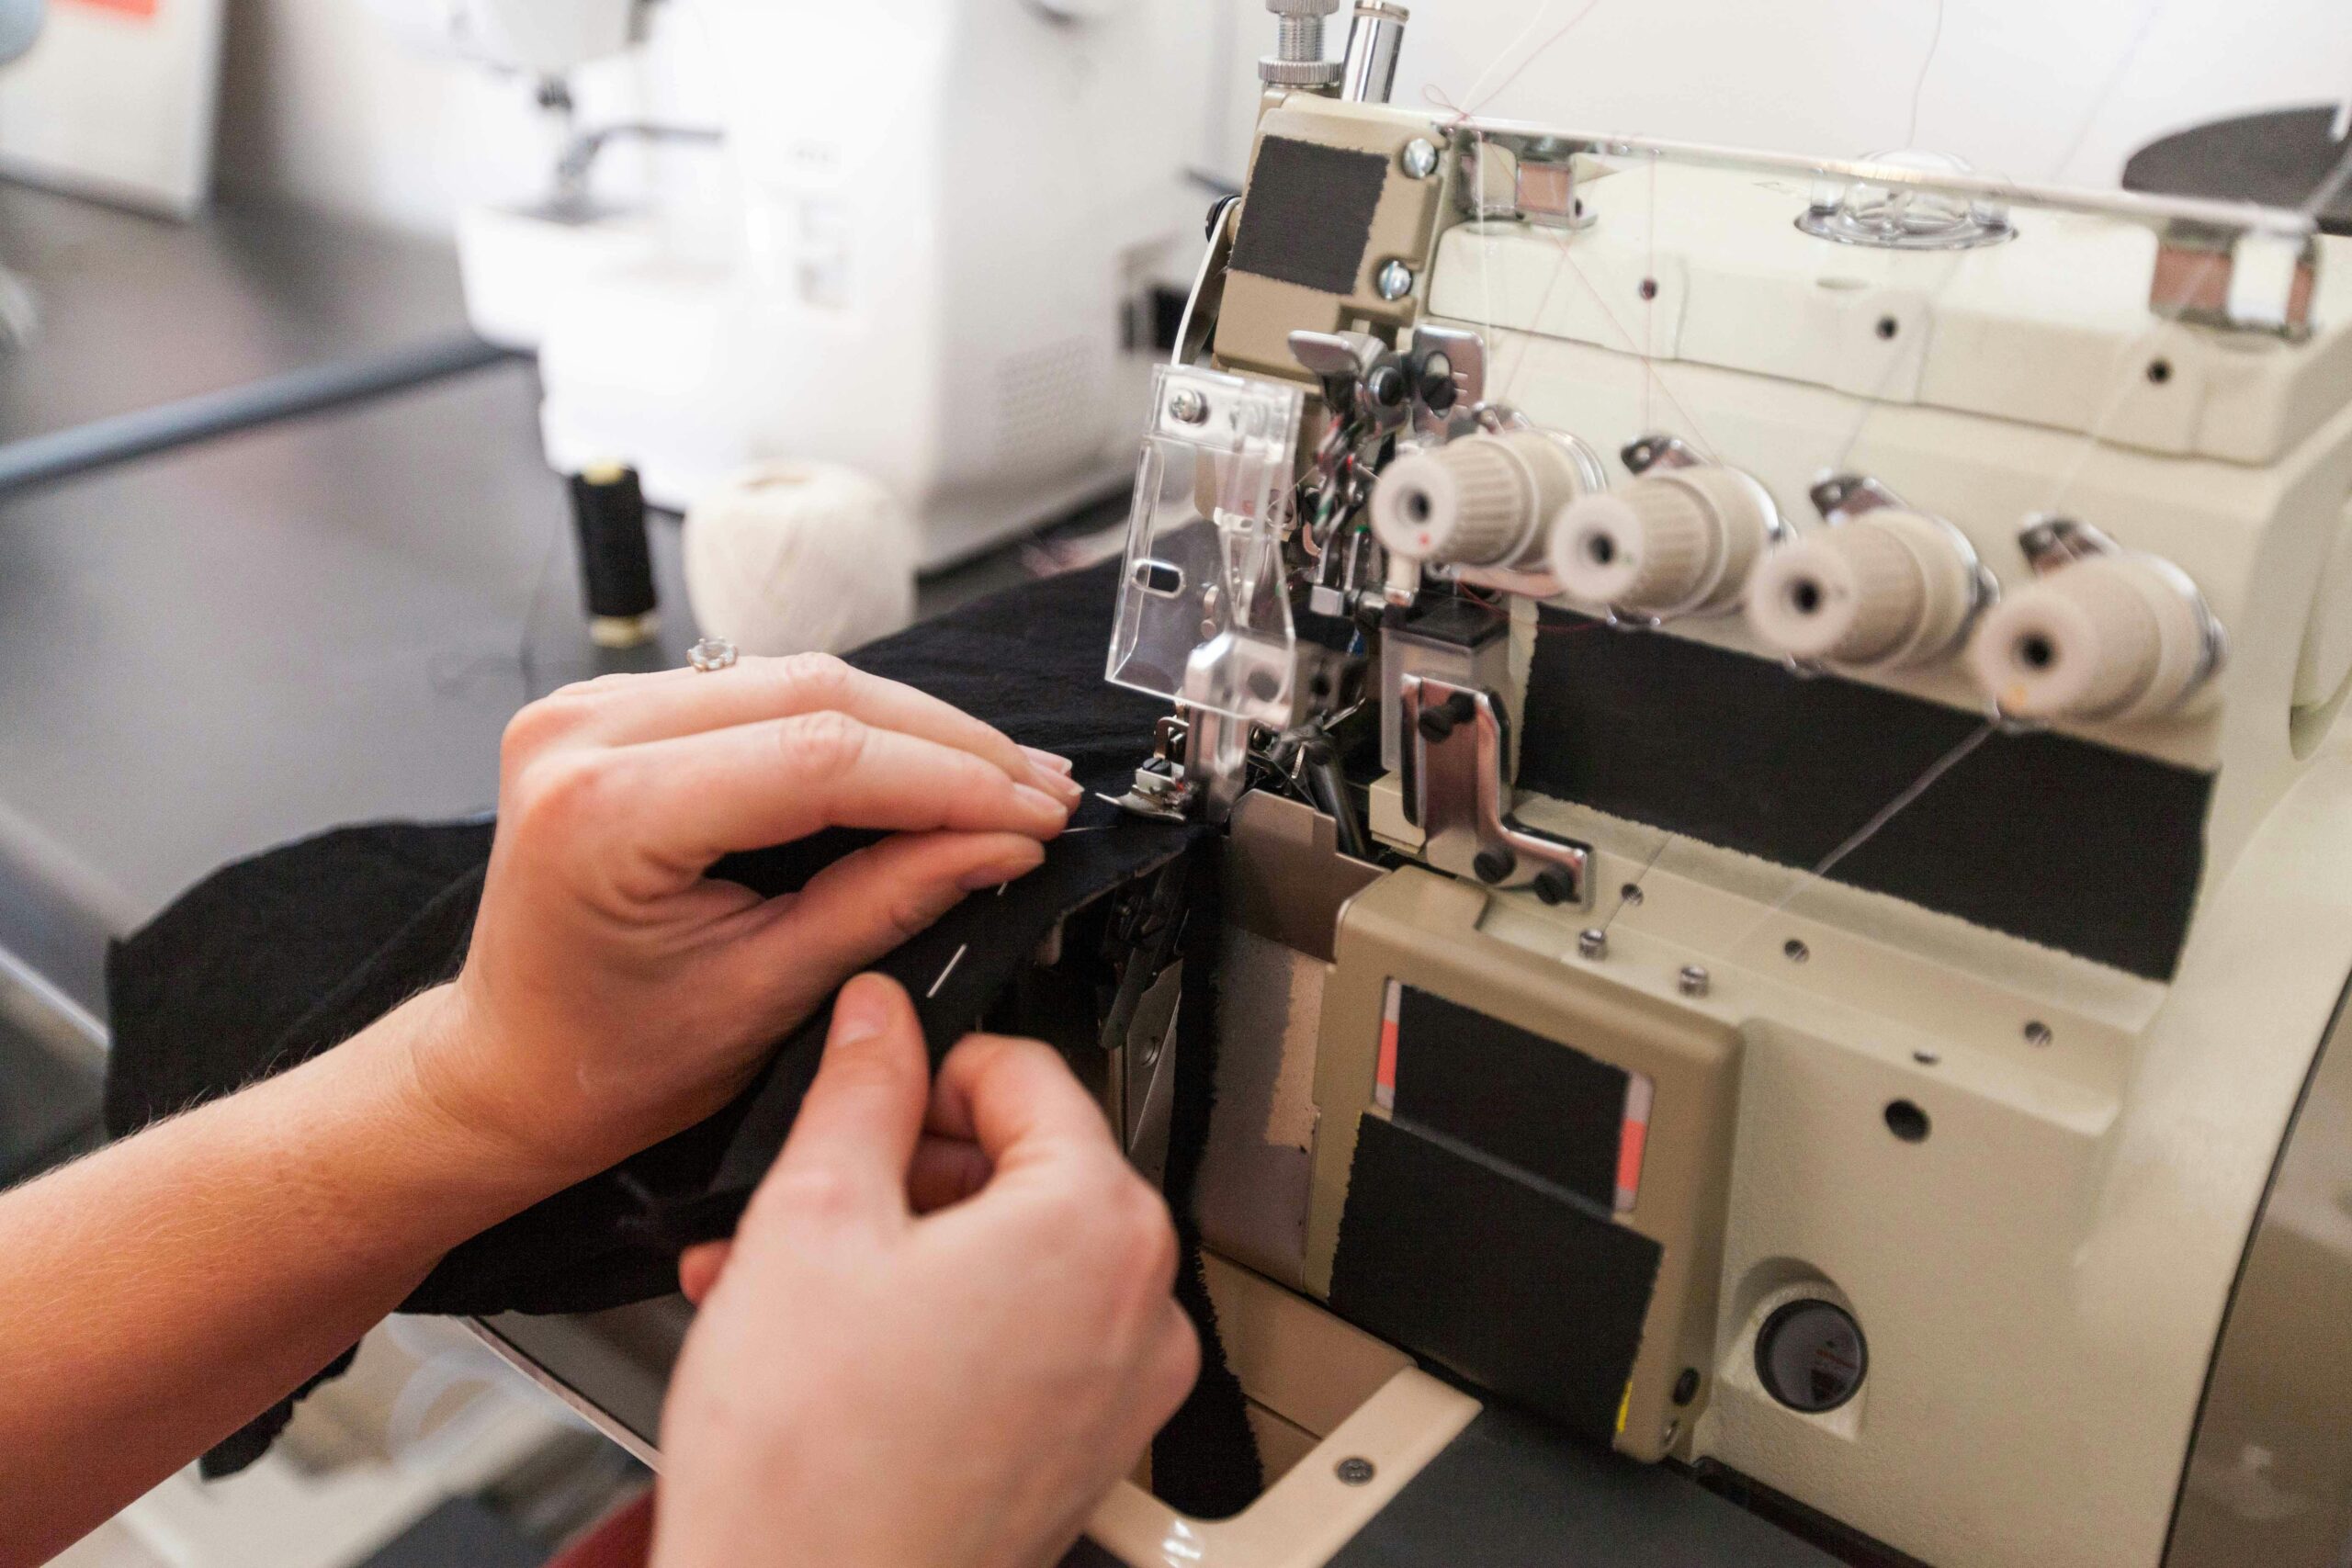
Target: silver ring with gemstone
x,y
711,653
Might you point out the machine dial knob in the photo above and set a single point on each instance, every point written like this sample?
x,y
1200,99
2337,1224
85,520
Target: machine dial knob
x,y
1890,588
2119,635
1481,500
1669,543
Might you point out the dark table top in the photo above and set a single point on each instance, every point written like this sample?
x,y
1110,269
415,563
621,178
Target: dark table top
x,y
137,310
211,651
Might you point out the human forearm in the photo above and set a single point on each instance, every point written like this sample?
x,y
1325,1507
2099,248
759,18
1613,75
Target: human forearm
x,y
160,1294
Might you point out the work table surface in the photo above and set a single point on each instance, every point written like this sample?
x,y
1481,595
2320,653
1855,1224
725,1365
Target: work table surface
x,y
329,619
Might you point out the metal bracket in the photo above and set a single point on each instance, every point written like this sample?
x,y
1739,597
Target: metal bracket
x,y
1465,357
2197,278
1838,497
1216,758
1199,320
1455,791
1539,174
1660,452
2051,541
1161,790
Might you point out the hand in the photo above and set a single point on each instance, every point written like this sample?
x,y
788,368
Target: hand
x,y
866,1388
614,993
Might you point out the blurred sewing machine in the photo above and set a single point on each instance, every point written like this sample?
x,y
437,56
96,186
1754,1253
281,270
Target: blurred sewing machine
x,y
1790,861
934,254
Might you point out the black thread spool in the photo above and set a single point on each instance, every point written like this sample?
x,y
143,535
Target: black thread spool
x,y
615,564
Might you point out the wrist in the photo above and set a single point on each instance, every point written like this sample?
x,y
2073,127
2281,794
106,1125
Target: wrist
x,y
436,1056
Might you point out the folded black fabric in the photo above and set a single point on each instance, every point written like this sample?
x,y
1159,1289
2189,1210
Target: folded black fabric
x,y
277,958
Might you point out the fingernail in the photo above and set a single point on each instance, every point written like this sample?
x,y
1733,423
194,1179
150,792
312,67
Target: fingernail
x,y
1039,800
861,1010
997,873
1048,759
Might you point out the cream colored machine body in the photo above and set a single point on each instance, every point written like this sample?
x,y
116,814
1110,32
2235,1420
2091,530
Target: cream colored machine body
x,y
1848,659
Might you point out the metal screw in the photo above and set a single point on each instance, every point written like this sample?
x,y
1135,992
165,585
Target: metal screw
x,y
1592,942
1189,405
1631,893
1354,1470
1795,951
2038,1033
1686,1387
1395,280
1927,1059
1693,981
1421,158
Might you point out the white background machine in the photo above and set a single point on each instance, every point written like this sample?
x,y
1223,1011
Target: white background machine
x,y
922,238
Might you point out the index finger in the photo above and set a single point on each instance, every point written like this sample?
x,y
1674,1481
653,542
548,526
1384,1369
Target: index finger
x,y
697,797
1018,1101
685,702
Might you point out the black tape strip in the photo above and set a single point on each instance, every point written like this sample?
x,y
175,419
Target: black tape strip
x,y
2078,846
1528,1101
1308,215
1510,1493
1519,1286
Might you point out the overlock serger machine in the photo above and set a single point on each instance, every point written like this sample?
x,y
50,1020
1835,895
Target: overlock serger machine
x,y
1789,859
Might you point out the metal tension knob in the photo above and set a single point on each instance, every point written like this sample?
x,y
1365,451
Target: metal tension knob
x,y
2119,635
1891,588
1481,500
1671,542
1297,60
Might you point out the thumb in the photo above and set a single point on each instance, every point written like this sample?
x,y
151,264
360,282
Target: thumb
x,y
845,1162
699,1268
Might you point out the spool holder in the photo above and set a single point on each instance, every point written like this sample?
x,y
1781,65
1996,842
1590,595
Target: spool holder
x,y
1841,498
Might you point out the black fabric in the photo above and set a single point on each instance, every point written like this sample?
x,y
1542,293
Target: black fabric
x,y
1204,1462
249,1442
200,995
2074,845
277,958
1520,1286
1308,215
1528,1101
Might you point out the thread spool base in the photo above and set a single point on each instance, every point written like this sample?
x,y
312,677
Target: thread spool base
x,y
624,631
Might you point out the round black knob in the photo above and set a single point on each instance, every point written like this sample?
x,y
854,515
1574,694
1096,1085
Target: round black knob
x,y
1554,885
1493,866
1386,386
1435,724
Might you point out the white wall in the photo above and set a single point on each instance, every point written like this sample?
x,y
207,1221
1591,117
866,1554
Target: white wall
x,y
2013,85
322,102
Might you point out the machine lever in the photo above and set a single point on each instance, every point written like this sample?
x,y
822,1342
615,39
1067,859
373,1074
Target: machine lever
x,y
1454,790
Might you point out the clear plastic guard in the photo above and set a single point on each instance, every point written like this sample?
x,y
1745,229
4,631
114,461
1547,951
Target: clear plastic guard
x,y
1204,610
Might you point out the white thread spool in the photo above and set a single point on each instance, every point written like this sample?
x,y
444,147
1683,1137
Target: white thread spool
x,y
790,557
